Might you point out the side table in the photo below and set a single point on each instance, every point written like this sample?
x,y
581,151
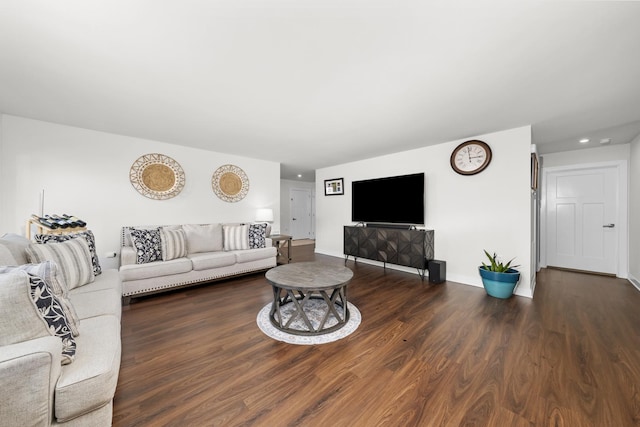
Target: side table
x,y
282,241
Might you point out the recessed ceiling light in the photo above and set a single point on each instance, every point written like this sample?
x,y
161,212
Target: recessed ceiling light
x,y
605,140
584,140
299,176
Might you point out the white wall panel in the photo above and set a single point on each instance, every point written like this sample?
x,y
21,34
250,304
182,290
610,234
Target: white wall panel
x,y
491,210
86,173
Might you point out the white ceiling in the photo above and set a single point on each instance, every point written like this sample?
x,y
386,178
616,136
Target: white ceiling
x,y
313,83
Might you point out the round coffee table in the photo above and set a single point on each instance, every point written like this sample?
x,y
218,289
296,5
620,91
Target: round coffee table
x,y
309,298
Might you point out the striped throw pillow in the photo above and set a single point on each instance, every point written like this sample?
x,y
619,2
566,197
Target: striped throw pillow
x,y
236,237
174,243
72,258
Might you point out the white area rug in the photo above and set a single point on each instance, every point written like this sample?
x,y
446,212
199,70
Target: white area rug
x,y
271,331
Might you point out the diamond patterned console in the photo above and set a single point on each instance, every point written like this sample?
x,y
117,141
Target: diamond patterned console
x,y
411,248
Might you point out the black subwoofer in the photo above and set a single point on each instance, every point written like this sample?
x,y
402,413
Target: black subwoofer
x,y
437,271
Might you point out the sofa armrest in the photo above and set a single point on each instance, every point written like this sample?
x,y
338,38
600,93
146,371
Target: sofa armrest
x,y
28,374
268,242
127,255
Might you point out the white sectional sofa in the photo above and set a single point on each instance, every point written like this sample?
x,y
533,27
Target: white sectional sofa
x,y
160,258
41,382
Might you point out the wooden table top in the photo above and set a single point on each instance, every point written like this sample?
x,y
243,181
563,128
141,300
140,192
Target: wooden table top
x,y
309,275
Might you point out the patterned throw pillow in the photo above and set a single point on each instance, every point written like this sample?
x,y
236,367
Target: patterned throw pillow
x,y
236,237
72,258
51,312
87,235
147,243
257,236
174,243
50,273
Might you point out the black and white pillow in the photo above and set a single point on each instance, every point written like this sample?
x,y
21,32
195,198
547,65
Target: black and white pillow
x,y
51,312
148,244
257,236
49,272
87,235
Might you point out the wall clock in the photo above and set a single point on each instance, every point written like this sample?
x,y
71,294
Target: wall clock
x,y
471,157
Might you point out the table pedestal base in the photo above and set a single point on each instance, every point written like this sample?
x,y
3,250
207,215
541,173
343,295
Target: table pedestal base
x,y
309,312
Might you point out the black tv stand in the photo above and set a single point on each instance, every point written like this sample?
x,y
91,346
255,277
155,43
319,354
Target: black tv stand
x,y
400,246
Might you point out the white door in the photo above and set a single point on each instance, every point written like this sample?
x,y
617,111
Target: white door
x,y
301,213
582,233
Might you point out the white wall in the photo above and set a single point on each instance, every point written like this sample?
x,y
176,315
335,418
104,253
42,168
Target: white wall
x,y
286,185
490,210
634,212
605,153
86,173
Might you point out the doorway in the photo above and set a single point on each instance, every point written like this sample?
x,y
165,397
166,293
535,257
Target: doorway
x,y
584,217
301,218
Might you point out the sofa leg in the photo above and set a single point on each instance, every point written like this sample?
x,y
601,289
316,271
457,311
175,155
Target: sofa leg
x,y
126,300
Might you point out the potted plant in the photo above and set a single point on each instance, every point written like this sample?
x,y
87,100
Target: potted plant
x,y
498,279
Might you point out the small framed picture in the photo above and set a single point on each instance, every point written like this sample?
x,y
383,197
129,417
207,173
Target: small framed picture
x,y
334,187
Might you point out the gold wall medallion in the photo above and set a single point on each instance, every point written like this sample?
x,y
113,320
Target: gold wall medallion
x,y
157,176
230,183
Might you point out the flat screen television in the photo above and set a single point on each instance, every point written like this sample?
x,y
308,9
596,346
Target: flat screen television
x,y
391,200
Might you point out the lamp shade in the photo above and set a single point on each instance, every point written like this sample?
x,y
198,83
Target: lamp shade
x,y
264,215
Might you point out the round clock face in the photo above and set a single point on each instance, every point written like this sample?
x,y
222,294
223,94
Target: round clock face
x,y
470,157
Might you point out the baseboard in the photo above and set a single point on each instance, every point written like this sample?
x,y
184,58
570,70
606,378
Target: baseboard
x,y
463,280
635,282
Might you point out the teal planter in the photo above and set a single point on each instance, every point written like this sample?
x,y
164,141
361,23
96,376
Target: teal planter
x,y
499,285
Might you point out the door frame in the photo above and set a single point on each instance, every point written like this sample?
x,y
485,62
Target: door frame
x,y
312,214
622,221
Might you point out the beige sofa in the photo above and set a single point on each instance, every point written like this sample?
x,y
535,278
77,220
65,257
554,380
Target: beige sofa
x,y
197,253
35,388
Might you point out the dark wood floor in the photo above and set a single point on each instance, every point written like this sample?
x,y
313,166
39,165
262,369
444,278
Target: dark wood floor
x,y
424,355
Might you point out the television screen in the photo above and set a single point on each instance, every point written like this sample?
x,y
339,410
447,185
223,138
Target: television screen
x,y
392,200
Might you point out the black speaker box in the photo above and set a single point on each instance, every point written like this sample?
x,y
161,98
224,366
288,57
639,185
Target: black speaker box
x,y
437,271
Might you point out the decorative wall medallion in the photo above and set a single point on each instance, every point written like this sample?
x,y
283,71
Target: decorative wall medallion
x,y
157,176
230,183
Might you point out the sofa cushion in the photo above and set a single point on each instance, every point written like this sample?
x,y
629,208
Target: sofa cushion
x,y
205,261
156,269
257,236
147,243
255,254
203,238
97,303
109,279
72,257
87,235
12,249
174,243
90,381
236,237
50,273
